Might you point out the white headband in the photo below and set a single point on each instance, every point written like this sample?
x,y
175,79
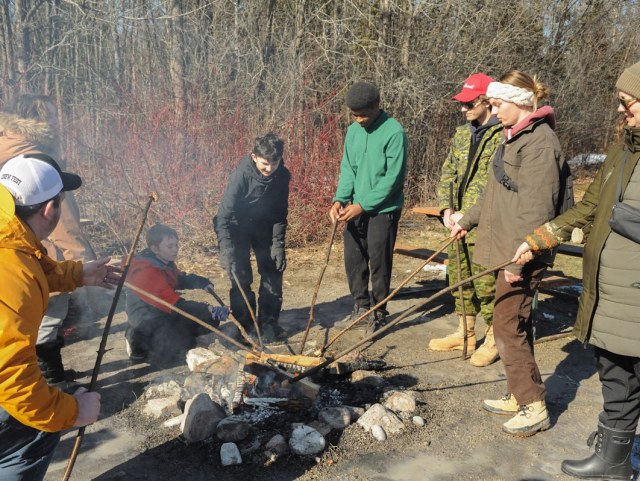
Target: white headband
x,y
510,93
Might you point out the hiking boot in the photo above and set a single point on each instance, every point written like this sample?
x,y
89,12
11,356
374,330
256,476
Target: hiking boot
x,y
357,312
507,404
455,341
132,343
530,419
611,459
375,321
487,353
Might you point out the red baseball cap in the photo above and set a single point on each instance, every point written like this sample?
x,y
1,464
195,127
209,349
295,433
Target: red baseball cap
x,y
473,87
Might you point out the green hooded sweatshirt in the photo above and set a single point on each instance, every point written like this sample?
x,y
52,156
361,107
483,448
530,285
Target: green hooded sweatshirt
x,y
373,166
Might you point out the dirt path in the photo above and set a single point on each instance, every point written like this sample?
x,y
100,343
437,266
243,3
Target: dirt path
x,y
459,442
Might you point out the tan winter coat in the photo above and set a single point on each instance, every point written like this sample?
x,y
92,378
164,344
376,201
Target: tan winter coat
x,y
29,136
532,158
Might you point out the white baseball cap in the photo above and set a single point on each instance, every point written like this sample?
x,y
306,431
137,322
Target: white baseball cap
x,y
33,179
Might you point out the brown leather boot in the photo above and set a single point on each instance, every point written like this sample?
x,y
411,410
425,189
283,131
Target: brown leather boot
x,y
455,341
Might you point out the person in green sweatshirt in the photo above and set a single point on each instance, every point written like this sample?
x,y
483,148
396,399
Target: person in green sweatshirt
x,y
369,199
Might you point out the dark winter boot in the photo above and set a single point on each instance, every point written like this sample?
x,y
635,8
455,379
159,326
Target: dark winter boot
x,y
50,363
135,346
611,459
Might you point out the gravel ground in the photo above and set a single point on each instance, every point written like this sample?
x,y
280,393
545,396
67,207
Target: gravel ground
x,y
459,442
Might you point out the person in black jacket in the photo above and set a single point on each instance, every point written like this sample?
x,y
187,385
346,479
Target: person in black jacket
x,y
253,215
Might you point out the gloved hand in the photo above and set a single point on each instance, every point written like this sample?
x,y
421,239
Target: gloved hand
x,y
219,314
278,256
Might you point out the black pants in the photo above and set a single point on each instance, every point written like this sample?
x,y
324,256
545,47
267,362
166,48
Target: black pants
x,y
368,253
270,290
620,378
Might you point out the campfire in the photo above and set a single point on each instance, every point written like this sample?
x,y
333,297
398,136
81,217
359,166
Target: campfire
x,y
239,398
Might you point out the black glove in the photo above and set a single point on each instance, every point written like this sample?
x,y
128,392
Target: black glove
x,y
278,255
194,281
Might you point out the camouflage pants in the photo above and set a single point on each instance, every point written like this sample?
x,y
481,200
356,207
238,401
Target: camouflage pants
x,y
479,295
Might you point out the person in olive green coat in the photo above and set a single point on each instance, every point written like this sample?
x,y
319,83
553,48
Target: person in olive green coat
x,y
464,174
608,311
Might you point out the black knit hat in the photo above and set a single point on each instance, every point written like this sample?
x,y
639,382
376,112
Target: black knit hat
x,y
362,95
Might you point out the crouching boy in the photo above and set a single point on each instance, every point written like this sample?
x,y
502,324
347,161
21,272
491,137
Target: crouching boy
x,y
155,332
253,215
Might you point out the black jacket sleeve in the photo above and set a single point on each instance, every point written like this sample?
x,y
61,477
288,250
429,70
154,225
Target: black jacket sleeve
x,y
282,206
192,281
196,309
233,195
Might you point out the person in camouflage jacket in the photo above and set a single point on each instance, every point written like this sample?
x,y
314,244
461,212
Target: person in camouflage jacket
x,y
464,174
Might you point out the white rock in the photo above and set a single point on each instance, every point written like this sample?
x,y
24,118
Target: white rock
x,y
418,421
378,414
322,428
200,358
277,445
306,441
369,378
196,383
160,407
401,401
336,417
175,421
201,417
164,389
356,412
378,432
232,430
230,454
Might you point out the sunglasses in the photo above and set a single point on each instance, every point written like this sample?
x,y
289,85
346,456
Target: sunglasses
x,y
627,103
470,105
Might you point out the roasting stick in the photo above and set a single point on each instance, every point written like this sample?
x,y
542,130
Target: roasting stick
x,y
231,317
315,292
463,313
402,317
246,301
218,332
395,291
153,197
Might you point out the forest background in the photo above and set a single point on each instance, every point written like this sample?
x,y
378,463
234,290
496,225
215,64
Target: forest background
x,y
168,95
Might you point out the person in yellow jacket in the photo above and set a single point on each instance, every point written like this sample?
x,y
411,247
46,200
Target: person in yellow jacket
x,y
28,126
32,413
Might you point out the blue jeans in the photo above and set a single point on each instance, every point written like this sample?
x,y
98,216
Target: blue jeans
x,y
25,452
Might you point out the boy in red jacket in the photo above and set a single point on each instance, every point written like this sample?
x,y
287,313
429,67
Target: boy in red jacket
x,y
155,332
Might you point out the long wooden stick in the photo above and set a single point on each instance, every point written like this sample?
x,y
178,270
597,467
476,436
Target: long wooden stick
x,y
153,197
232,318
164,303
402,317
317,289
393,293
463,309
251,313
